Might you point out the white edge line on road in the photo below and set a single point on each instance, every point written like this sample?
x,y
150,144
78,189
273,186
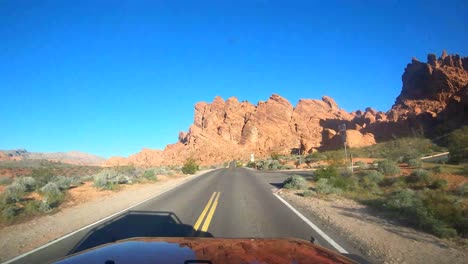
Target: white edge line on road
x,y
99,221
313,226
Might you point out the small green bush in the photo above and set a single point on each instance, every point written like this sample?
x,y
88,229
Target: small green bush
x,y
307,193
14,193
190,167
62,182
362,165
388,167
275,156
274,165
458,145
287,167
161,171
415,163
323,186
29,183
6,181
437,169
150,175
420,176
326,172
251,164
295,182
370,180
10,212
439,184
52,195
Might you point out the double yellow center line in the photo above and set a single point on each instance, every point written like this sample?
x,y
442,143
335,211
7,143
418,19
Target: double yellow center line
x,y
210,208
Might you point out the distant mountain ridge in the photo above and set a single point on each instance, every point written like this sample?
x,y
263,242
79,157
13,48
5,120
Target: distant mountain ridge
x,y
71,157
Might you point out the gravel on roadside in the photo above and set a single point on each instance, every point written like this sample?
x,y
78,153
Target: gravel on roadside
x,y
379,239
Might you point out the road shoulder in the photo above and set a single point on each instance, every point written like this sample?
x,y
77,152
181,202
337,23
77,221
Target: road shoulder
x,y
379,240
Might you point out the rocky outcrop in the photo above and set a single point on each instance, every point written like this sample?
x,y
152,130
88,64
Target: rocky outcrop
x,y
433,101
226,130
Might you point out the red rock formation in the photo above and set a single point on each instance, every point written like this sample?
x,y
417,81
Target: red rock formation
x,y
226,130
433,100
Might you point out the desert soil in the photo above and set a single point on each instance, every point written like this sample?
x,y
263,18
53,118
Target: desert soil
x,y
85,205
380,240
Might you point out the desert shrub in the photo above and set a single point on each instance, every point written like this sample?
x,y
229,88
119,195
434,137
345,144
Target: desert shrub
x,y
335,158
370,180
311,158
251,164
274,165
439,184
10,212
415,163
410,154
101,181
323,186
307,193
275,156
461,190
42,175
52,195
6,181
161,171
326,172
388,167
150,175
362,165
14,193
458,145
448,209
239,164
190,166
437,169
412,208
295,182
29,183
287,167
420,176
264,164
63,182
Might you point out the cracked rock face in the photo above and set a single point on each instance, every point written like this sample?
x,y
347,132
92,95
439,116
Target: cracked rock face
x,y
433,100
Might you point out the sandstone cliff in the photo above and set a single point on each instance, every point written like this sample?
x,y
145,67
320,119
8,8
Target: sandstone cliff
x,y
433,100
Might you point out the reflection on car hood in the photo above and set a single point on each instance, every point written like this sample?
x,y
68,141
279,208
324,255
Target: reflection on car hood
x,y
207,250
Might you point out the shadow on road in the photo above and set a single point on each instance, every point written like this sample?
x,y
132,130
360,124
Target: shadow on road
x,y
137,224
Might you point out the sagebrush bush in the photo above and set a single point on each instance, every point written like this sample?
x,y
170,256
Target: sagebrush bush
x,y
52,196
190,167
6,181
102,181
251,164
10,212
274,165
458,145
162,171
370,180
362,165
326,172
439,184
29,183
415,163
323,186
414,209
295,182
388,167
14,192
420,176
307,193
62,182
150,175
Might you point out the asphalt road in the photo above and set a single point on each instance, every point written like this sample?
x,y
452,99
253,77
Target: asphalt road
x,y
231,202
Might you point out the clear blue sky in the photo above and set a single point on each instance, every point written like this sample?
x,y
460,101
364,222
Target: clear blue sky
x,y
111,77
